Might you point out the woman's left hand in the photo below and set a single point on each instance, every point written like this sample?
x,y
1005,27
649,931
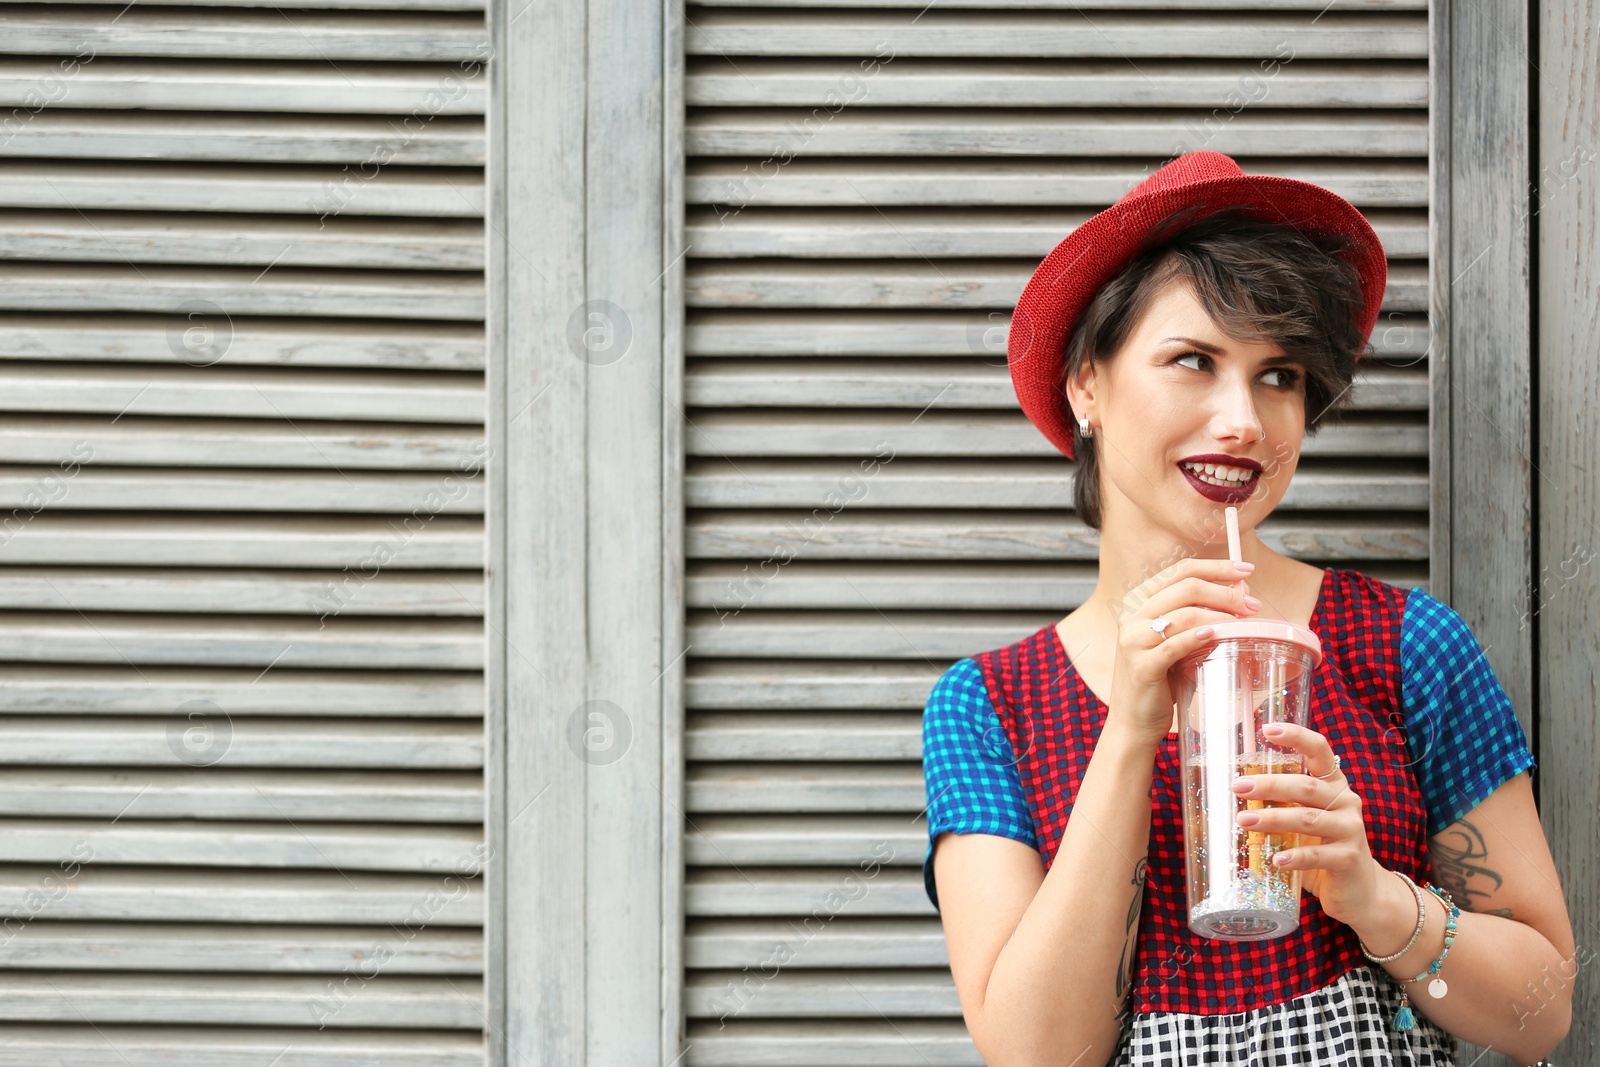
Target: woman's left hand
x,y
1333,855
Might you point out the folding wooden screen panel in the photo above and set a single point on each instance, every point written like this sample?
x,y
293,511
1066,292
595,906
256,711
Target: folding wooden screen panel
x,y
241,304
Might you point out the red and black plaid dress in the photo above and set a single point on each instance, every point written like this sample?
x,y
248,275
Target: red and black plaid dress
x,y
1309,997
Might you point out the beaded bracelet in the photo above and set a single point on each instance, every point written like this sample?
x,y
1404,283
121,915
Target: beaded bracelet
x,y
1403,1018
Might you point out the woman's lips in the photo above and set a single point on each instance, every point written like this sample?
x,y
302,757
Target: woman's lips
x,y
1216,492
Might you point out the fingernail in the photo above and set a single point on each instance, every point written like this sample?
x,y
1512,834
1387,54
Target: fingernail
x,y
1273,729
1204,632
1242,565
1251,602
1247,818
1243,785
1282,859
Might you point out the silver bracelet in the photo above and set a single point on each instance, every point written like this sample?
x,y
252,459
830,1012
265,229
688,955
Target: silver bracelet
x,y
1422,916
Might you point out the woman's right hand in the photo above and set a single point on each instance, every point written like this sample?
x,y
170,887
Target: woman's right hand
x,y
1192,594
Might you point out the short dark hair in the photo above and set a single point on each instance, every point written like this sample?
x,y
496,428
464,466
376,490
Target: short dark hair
x,y
1259,281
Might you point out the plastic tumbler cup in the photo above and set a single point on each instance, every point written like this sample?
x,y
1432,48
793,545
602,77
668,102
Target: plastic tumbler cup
x,y
1256,672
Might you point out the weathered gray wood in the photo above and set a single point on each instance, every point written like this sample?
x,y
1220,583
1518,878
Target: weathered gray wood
x,y
883,439
1089,5
841,332
64,442
446,141
244,393
833,994
316,593
221,793
1053,34
313,846
152,894
753,132
445,5
869,231
456,193
922,283
844,941
160,1046
287,342
863,634
806,736
806,82
1000,536
255,1000
389,744
1031,484
144,237
1567,741
283,87
1022,182
788,840
790,786
259,641
242,946
63,538
124,690
176,291
805,686
191,489
783,1043
800,890
248,34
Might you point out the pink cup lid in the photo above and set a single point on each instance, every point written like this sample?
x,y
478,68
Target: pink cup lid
x,y
1271,630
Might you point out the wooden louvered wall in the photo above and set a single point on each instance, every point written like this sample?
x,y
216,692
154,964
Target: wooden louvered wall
x,y
866,504
241,696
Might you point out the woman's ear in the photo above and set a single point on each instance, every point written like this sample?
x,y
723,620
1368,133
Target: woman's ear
x,y
1081,388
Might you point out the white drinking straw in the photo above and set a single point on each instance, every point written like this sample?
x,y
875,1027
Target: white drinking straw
x,y
1235,553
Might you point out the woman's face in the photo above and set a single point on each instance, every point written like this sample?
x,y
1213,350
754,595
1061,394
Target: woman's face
x,y
1181,388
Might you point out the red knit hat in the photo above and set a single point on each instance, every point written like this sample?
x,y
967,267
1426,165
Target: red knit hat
x,y
1096,252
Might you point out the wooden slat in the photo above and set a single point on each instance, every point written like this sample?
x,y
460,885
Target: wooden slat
x,y
241,947
790,686
237,339
279,291
1063,34
1093,183
851,736
1051,5
912,483
838,994
125,690
241,188
843,941
923,283
446,141
429,5
891,436
254,1000
243,393
240,592
869,633
220,793
388,744
358,88
801,890
845,332
153,894
312,846
160,1046
258,641
1010,82
179,489
913,233
94,539
794,786
236,240
915,132
812,840
756,535
784,1043
452,452
246,34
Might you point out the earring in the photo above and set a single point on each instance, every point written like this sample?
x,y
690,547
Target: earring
x,y
1083,426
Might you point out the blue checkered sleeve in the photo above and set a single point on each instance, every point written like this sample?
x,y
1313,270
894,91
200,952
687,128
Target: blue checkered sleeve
x,y
1463,735
968,766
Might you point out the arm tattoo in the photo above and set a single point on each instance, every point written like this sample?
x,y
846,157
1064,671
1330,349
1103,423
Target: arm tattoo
x,y
1458,858
1124,977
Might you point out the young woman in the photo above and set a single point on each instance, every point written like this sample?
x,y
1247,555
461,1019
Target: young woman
x,y
1181,344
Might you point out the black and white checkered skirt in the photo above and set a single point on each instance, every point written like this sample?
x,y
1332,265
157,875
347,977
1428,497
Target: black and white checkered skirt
x,y
1344,1024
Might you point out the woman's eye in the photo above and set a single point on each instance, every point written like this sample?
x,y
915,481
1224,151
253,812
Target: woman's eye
x,y
1286,378
1189,355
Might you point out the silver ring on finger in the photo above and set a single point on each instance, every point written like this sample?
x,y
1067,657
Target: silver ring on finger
x,y
1330,774
1159,624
